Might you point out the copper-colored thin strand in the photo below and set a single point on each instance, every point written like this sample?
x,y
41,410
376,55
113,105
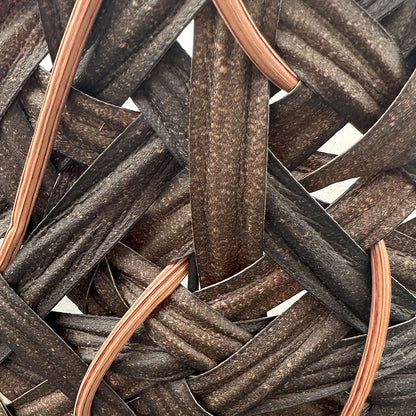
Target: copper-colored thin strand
x,y
255,45
377,331
73,41
157,291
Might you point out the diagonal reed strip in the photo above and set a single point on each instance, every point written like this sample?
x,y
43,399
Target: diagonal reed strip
x,y
73,41
157,291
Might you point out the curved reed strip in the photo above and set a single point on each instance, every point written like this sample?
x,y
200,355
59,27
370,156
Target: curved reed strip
x,y
255,45
377,331
72,44
157,291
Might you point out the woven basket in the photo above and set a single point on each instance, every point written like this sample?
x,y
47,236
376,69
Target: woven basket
x,y
208,169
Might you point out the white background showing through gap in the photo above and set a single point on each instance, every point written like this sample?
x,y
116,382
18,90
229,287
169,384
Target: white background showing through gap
x,y
338,144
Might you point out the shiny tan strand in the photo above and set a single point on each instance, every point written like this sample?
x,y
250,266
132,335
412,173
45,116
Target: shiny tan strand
x,y
247,34
377,331
157,291
73,41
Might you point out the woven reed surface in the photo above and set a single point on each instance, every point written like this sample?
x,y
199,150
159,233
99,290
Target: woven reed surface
x,y
207,168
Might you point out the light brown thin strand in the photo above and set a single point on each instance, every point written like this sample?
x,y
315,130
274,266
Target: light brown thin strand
x,y
73,41
157,291
377,331
255,45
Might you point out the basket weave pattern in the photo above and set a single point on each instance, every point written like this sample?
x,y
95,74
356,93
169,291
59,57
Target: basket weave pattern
x,y
208,169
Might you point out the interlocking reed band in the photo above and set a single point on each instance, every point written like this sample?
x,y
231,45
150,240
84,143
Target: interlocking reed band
x,y
194,174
